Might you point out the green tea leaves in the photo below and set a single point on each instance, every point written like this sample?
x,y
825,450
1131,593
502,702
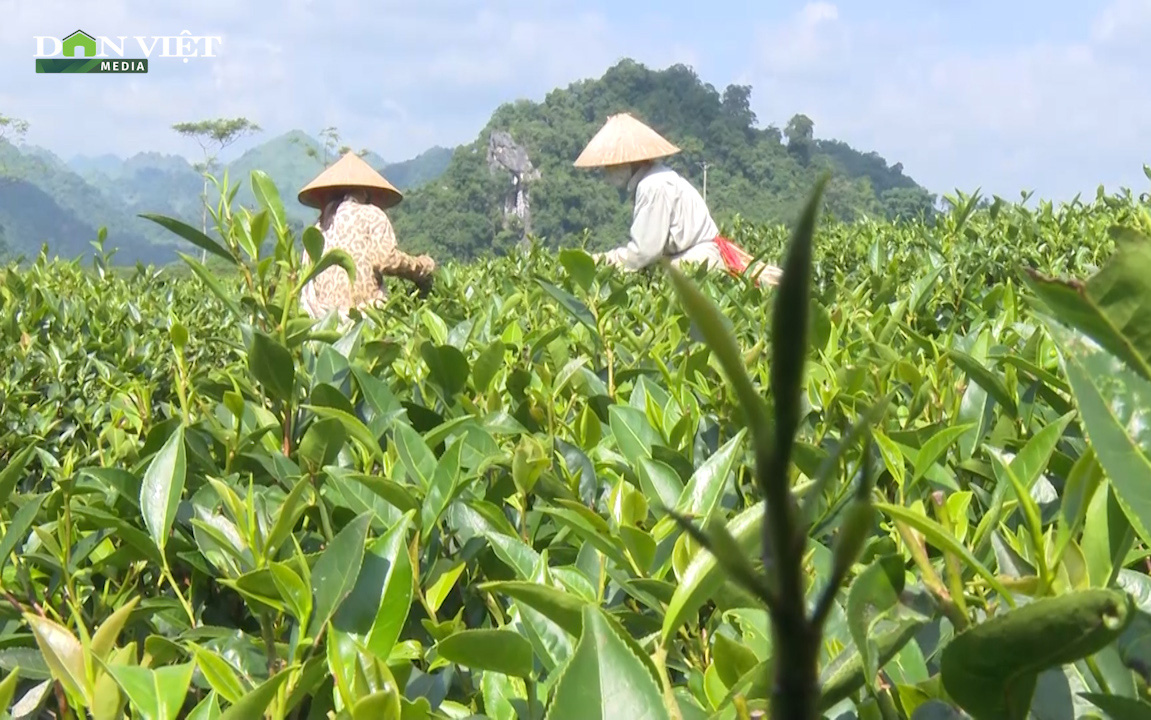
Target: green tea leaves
x,y
991,669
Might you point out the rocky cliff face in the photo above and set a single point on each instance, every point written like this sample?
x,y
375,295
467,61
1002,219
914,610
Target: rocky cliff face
x,y
507,156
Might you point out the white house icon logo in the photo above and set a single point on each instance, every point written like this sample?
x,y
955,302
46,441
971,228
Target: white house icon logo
x,y
79,43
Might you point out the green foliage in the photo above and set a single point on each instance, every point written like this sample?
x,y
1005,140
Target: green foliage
x,y
752,174
45,200
219,132
909,481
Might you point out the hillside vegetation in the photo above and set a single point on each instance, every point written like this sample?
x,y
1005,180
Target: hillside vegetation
x,y
42,200
760,174
290,160
45,199
908,482
455,204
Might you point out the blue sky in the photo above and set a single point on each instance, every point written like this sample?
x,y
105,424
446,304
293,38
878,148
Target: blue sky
x,y
1050,97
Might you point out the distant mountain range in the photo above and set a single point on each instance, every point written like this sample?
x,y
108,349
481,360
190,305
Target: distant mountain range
x,y
46,199
479,203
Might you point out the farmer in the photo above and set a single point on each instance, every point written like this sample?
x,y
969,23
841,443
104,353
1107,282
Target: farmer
x,y
669,218
352,197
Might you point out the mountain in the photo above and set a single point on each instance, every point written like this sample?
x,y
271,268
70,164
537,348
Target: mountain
x,y
106,163
148,182
169,185
761,174
515,178
45,199
421,169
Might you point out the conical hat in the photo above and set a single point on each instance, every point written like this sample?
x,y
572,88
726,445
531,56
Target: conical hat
x,y
623,139
348,172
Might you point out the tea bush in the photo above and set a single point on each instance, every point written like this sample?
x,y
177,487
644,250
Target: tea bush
x,y
910,482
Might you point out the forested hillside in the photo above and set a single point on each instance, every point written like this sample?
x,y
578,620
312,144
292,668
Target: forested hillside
x,y
42,200
472,209
45,199
761,174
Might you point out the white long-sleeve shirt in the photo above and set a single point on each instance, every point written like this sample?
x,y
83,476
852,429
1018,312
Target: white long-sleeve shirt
x,y
670,218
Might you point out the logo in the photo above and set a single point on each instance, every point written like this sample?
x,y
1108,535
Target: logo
x,y
84,53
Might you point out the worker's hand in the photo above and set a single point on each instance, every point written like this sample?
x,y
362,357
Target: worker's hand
x,y
424,285
768,276
611,257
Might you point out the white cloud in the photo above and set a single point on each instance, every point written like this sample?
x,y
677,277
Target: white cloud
x,y
1123,22
1057,118
395,77
812,43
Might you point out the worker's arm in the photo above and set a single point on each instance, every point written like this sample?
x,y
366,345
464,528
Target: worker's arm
x,y
390,260
416,268
650,225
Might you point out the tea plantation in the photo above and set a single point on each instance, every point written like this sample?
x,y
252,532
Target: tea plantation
x,y
913,481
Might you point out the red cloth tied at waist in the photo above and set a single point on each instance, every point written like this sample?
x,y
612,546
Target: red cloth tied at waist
x,y
735,257
737,260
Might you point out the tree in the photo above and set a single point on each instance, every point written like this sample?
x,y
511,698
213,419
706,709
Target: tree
x,y
799,128
213,136
12,129
330,146
799,132
906,203
737,106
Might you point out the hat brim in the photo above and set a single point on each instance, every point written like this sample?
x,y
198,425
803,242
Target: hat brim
x,y
317,197
624,140
348,173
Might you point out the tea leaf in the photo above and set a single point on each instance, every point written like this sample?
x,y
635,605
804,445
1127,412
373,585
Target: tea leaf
x,y
272,366
604,679
190,234
63,654
501,651
335,573
991,669
155,693
162,488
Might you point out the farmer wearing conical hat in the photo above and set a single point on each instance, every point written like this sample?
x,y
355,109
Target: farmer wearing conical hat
x,y
669,218
352,198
